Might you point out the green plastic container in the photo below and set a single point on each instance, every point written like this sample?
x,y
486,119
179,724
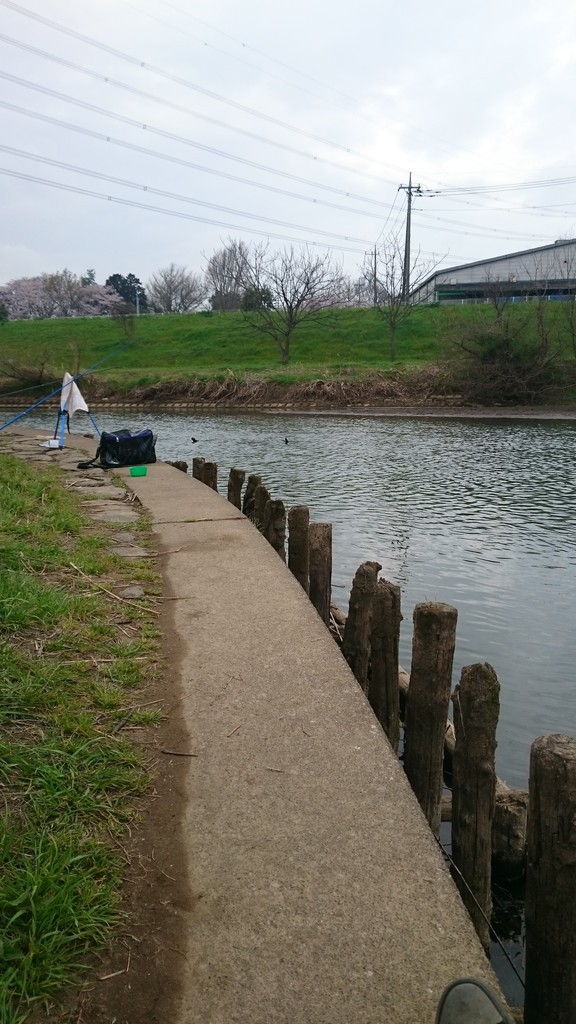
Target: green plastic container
x,y
138,470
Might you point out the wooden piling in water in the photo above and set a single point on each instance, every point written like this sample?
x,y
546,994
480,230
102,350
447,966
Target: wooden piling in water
x,y
178,464
476,702
298,545
356,639
383,686
248,504
433,645
551,883
320,568
261,498
210,477
274,525
509,832
236,479
198,464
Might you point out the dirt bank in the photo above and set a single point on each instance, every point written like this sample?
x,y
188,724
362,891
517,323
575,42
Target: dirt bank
x,y
425,391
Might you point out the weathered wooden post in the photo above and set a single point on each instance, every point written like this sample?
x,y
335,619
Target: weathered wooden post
x,y
356,639
383,687
236,479
476,703
427,707
298,544
178,464
198,464
248,504
274,525
551,883
320,555
509,832
261,497
210,477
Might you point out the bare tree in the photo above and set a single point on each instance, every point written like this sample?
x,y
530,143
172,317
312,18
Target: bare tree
x,y
175,289
384,273
225,275
300,286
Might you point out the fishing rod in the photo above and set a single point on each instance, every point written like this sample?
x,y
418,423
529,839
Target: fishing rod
x,y
58,390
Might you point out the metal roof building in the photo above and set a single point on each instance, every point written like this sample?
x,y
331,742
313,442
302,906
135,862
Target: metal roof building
x,y
549,270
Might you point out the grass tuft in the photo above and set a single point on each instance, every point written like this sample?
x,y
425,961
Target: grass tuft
x,y
59,898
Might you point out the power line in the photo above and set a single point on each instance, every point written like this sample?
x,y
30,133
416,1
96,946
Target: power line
x,y
178,196
172,213
90,133
518,186
107,80
485,233
338,92
449,191
45,90
178,80
231,56
74,189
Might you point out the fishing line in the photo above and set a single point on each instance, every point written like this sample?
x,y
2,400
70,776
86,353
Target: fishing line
x,y
488,922
78,377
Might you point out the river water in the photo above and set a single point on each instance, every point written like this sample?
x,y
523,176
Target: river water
x,y
479,513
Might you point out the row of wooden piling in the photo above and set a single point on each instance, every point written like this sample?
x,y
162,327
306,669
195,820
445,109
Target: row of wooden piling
x,y
369,639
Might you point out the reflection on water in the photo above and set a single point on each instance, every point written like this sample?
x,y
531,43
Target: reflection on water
x,y
478,513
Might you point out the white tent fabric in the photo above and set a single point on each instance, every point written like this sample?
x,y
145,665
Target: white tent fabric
x,y
71,399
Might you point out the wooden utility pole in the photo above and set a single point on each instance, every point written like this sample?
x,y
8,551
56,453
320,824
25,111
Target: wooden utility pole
x,y
410,190
406,268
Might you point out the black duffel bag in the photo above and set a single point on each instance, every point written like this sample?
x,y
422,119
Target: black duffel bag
x,y
122,448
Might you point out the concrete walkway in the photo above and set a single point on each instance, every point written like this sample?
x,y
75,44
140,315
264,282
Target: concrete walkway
x,y
318,894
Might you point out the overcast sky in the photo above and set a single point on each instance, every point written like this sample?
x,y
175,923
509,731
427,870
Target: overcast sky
x,y
188,123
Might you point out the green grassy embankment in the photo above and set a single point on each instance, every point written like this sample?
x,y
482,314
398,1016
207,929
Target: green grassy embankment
x,y
222,348
208,345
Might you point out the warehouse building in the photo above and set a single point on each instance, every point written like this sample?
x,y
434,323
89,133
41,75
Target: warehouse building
x,y
549,271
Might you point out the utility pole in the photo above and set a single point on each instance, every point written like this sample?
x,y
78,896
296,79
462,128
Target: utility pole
x,y
410,190
371,278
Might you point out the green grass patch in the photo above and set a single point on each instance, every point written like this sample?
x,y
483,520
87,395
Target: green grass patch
x,y
223,347
73,662
59,898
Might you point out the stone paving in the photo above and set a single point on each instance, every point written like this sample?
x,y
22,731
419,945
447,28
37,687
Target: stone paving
x,y
105,501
